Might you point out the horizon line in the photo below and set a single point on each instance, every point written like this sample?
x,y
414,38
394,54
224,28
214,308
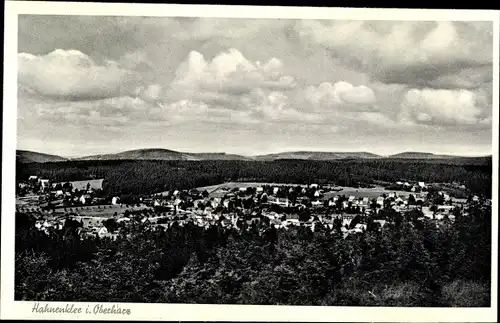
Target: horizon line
x,y
264,154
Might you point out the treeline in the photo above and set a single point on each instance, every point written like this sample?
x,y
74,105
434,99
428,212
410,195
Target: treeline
x,y
407,263
144,177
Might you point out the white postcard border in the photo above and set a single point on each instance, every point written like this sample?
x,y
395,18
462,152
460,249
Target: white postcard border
x,y
9,309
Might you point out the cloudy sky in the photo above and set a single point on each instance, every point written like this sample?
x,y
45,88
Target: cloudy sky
x,y
106,84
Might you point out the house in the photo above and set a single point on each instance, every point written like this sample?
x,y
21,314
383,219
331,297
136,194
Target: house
x,y
292,222
381,222
421,184
102,231
380,200
259,189
115,200
399,183
331,203
335,198
33,178
399,200
281,201
427,212
316,194
45,183
242,189
361,226
276,190
351,198
59,193
83,199
175,193
445,208
316,203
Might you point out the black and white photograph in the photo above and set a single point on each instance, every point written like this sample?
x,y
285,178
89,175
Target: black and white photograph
x,y
253,161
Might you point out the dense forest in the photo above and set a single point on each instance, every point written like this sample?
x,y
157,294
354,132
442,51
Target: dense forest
x,y
408,262
145,177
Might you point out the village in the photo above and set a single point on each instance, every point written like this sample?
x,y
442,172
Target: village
x,y
233,205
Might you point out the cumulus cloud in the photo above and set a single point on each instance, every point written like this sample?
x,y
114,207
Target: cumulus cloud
x,y
229,84
229,72
404,52
341,95
72,75
443,107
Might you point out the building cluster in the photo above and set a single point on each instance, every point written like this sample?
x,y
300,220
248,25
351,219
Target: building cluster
x,y
281,206
43,194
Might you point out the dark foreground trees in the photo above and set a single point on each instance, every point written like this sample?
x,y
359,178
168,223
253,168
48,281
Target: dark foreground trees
x,y
408,263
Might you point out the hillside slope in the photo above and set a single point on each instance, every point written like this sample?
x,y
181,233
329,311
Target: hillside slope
x,y
26,156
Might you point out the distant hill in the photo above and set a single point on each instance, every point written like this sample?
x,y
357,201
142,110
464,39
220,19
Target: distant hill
x,y
26,156
317,155
217,156
151,154
422,155
163,154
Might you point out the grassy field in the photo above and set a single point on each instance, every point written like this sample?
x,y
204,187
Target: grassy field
x,y
103,210
82,185
348,191
231,185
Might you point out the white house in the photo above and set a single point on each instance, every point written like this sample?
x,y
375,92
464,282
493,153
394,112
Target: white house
x,y
421,184
281,201
115,200
399,183
380,200
316,194
313,185
316,203
102,231
351,198
45,183
82,199
33,178
392,195
276,190
381,222
360,226
259,189
176,192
